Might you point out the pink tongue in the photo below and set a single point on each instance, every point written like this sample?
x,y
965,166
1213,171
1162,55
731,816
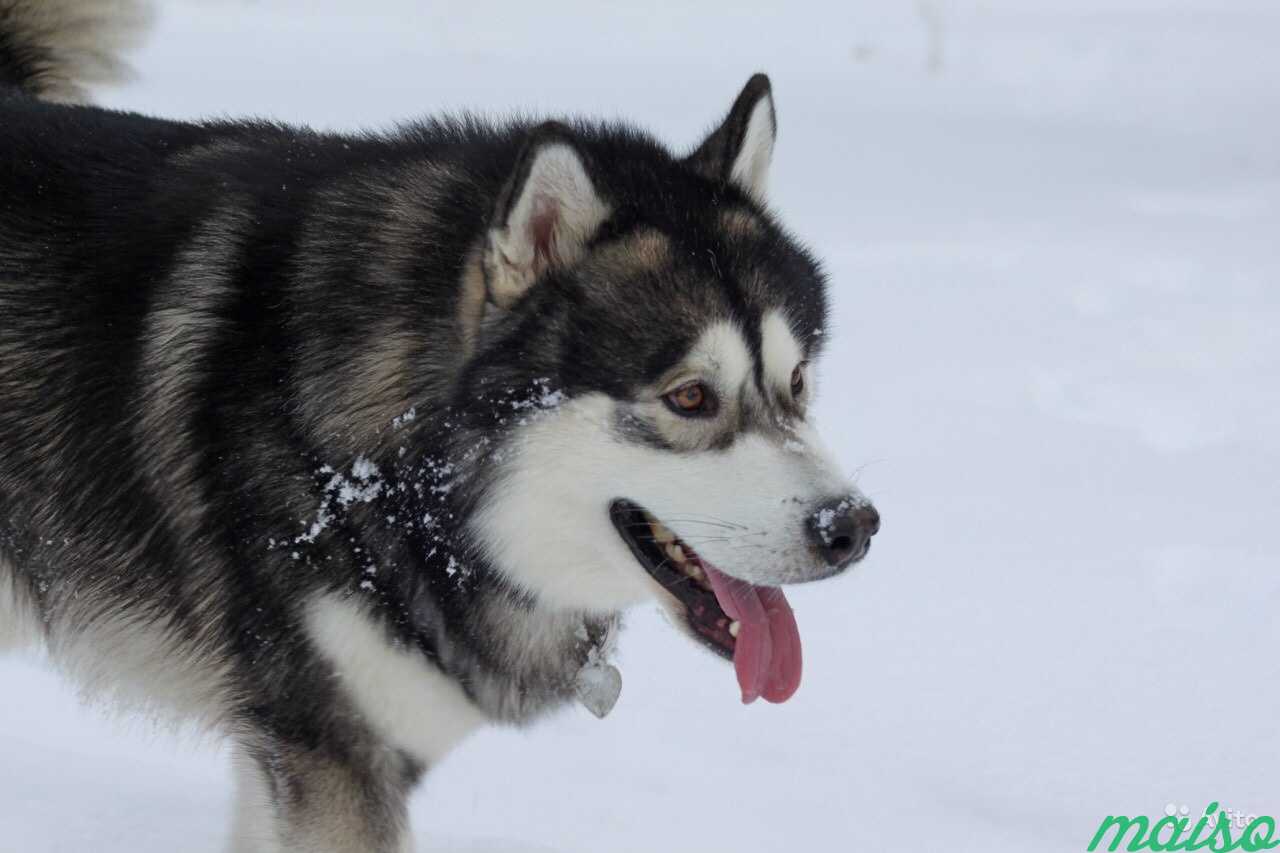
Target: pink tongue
x,y
767,655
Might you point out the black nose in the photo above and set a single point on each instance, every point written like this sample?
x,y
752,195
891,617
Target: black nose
x,y
841,530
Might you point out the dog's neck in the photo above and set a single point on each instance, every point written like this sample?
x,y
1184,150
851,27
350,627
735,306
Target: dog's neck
x,y
516,657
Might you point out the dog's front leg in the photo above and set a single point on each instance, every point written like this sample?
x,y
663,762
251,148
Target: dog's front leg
x,y
291,799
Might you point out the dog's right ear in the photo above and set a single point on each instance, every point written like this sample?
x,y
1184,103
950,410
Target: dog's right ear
x,y
547,212
739,150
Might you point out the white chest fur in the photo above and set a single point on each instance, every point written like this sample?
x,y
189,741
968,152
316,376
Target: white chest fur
x,y
407,700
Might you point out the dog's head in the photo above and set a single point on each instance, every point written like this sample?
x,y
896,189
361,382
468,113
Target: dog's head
x,y
676,330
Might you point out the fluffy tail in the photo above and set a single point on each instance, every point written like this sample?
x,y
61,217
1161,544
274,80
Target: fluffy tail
x,y
53,48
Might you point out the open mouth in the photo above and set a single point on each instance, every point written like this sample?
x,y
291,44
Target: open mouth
x,y
751,625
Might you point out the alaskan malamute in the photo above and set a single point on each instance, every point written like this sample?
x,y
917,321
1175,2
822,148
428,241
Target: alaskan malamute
x,y
345,445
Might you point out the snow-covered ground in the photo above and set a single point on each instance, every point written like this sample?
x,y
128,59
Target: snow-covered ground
x,y
1053,231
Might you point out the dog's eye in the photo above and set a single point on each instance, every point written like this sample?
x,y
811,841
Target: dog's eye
x,y
692,399
797,379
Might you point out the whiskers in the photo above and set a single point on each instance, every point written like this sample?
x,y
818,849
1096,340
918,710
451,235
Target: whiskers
x,y
730,535
707,520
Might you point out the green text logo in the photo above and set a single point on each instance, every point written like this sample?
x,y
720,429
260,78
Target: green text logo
x,y
1173,832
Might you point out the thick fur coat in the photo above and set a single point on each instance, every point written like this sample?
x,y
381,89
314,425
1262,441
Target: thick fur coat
x,y
344,445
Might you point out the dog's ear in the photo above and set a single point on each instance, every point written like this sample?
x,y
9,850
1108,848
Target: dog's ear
x,y
739,150
544,217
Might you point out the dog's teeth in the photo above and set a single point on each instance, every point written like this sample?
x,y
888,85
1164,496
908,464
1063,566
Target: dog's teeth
x,y
661,533
734,627
675,552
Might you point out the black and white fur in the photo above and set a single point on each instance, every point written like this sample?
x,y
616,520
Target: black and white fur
x,y
313,437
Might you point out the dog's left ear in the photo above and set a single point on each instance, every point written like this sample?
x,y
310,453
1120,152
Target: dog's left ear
x,y
544,217
739,150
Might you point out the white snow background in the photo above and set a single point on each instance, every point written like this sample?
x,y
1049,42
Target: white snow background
x,y
1053,235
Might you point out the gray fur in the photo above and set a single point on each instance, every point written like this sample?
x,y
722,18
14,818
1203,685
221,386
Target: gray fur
x,y
68,45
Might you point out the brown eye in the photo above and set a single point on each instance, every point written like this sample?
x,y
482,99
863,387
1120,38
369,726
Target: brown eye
x,y
691,399
797,379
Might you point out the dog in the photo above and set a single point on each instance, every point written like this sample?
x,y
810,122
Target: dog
x,y
346,445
